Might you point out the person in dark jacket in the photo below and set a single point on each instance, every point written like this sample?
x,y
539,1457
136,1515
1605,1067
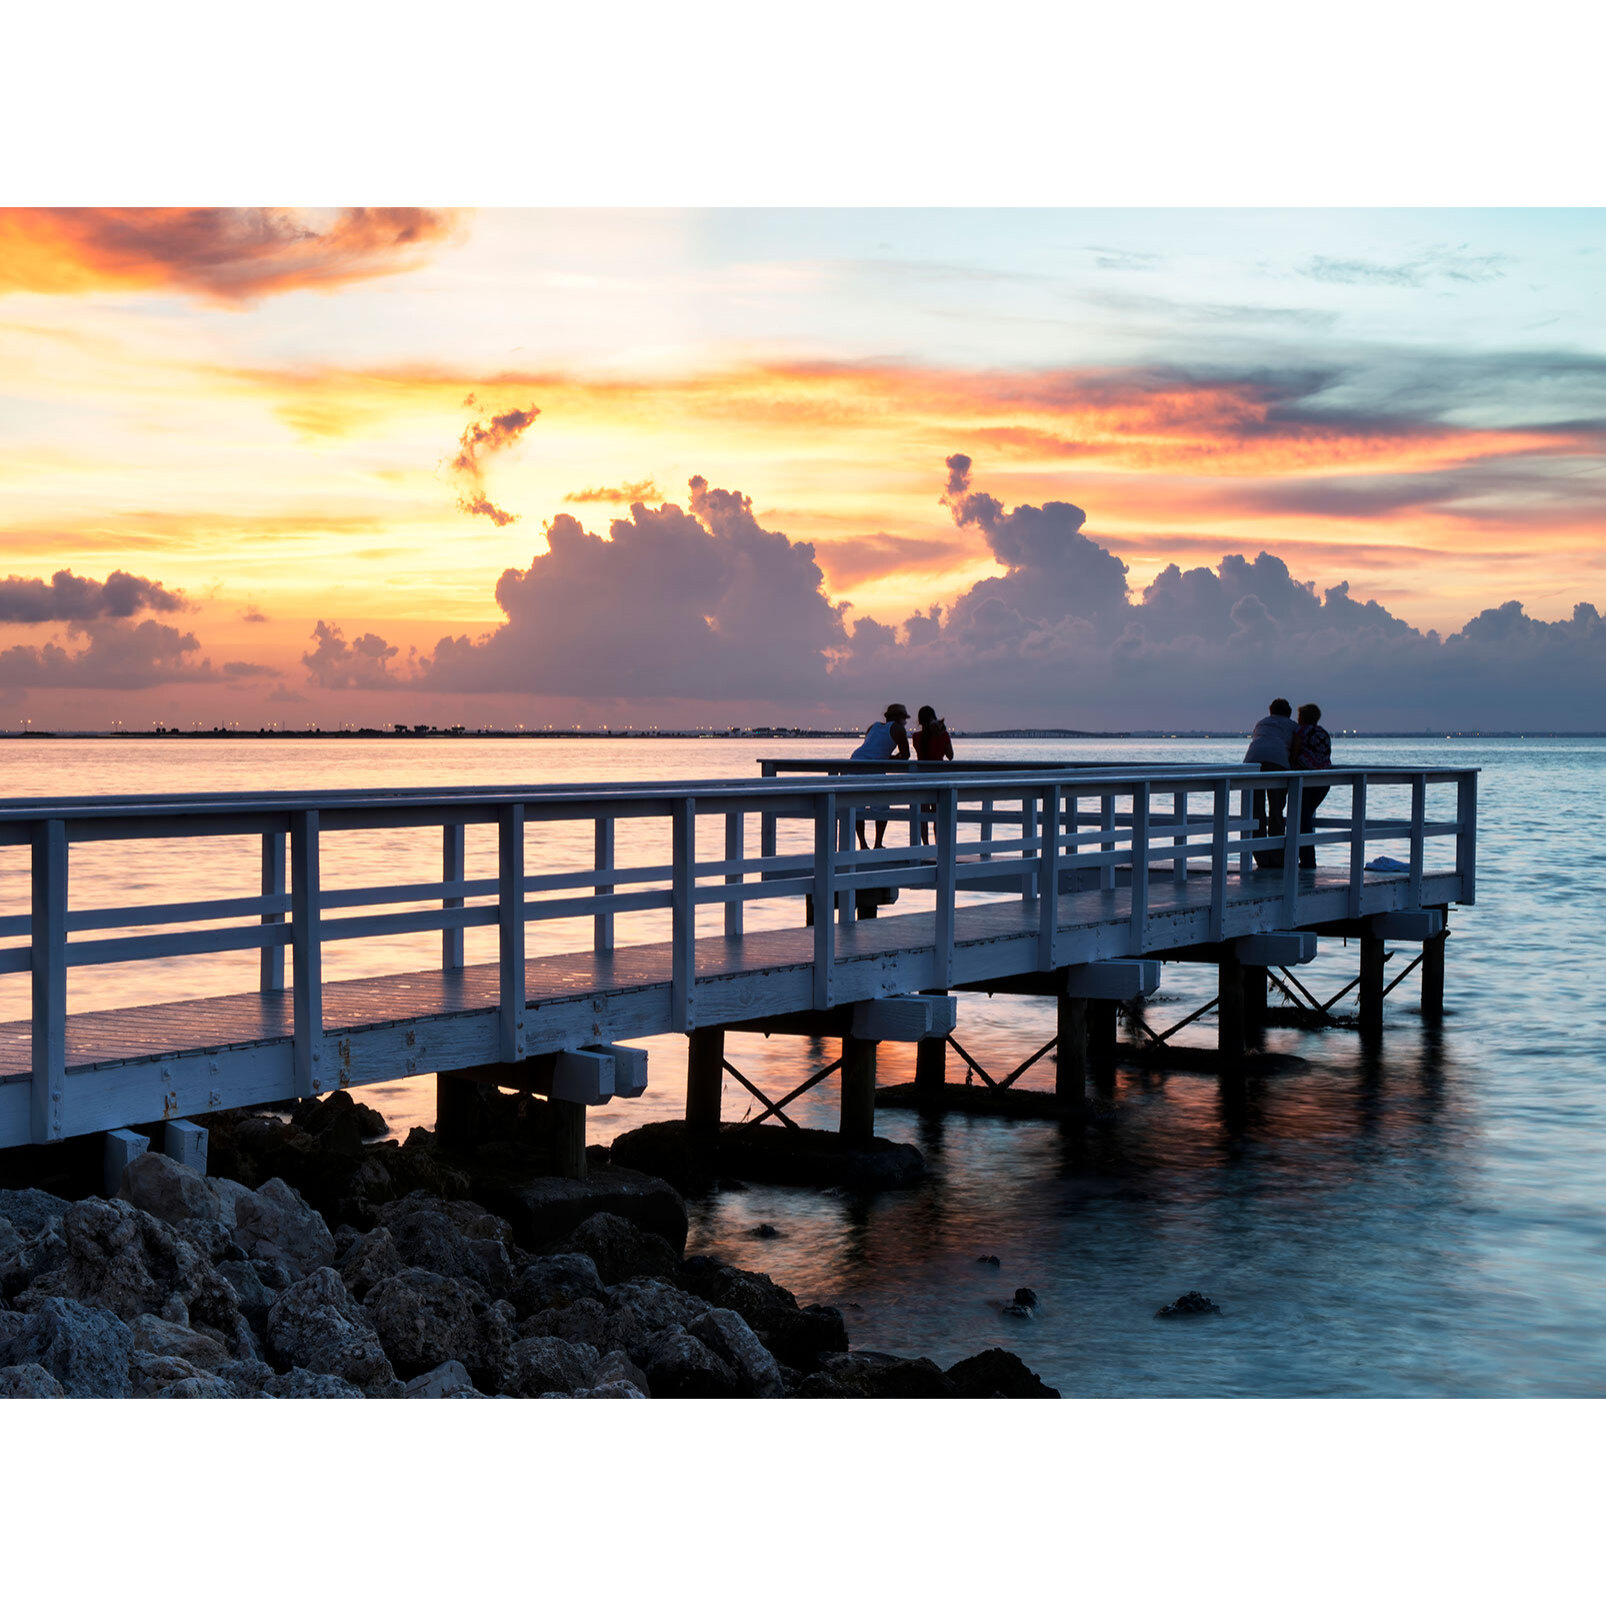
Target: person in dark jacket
x,y
1312,750
1271,747
932,745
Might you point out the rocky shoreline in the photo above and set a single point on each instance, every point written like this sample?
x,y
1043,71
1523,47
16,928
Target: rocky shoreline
x,y
318,1263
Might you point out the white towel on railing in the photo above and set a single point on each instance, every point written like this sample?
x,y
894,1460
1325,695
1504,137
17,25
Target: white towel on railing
x,y
1390,866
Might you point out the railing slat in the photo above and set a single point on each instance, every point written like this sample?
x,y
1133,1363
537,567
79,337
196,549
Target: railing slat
x,y
683,916
1292,804
510,933
734,823
602,921
48,1095
1140,865
454,853
824,900
1221,801
947,829
1357,846
1048,880
306,954
270,972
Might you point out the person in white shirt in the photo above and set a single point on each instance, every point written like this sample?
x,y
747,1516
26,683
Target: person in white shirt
x,y
1271,747
888,738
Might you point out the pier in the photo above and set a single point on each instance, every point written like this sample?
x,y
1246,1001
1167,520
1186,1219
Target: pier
x,y
1070,882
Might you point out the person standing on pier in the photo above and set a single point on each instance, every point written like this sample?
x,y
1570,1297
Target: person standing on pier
x,y
932,745
1312,750
887,739
1271,746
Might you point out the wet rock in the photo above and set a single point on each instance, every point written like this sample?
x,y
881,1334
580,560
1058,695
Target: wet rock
x,y
735,1343
796,1337
616,1367
368,1259
132,1264
448,1381
1018,1311
621,1250
785,1155
589,1321
30,1381
654,1303
538,1366
1025,1296
319,1116
988,1260
543,1210
868,1374
247,1378
423,1319
548,1281
1192,1303
680,1367
275,1223
997,1371
316,1324
765,1230
454,1238
86,1350
156,1337
32,1211
167,1190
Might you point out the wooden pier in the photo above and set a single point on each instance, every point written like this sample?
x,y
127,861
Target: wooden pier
x,y
1067,881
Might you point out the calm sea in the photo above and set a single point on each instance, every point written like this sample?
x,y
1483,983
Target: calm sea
x,y
1427,1222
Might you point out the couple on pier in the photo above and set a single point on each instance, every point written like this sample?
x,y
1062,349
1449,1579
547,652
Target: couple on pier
x,y
1280,742
889,739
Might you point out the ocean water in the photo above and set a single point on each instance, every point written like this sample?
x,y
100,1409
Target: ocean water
x,y
1426,1220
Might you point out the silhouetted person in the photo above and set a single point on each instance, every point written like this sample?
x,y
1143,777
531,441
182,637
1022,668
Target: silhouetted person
x,y
932,744
1271,746
1312,750
888,738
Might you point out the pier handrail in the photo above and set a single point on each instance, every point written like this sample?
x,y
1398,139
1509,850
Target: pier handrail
x,y
1108,825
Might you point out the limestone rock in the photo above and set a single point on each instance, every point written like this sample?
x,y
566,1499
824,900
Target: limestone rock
x,y
1192,1303
275,1223
167,1190
32,1211
538,1366
157,1337
867,1374
795,1337
25,1257
621,1250
300,1384
735,1343
619,1390
548,1281
680,1367
543,1210
30,1381
423,1319
228,1194
201,1387
86,1350
368,1259
152,1377
589,1321
448,1381
616,1367
256,1284
655,1303
998,1371
316,1324
451,1238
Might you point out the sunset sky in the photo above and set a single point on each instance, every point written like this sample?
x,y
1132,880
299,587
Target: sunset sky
x,y
301,465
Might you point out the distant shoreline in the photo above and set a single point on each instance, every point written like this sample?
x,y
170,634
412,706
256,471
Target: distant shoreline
x,y
758,733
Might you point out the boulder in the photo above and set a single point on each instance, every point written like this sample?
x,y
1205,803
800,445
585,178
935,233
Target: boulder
x,y
423,1319
867,1374
538,1366
1192,1303
32,1211
369,1258
997,1371
200,1387
228,1194
796,1337
454,1238
735,1343
617,1367
156,1337
132,1264
619,1390
30,1381
152,1377
275,1223
620,1250
300,1384
167,1190
26,1257
86,1350
256,1284
680,1367
655,1304
448,1381
548,1281
544,1209
316,1324
588,1321
320,1116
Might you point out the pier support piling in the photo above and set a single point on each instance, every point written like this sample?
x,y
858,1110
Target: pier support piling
x,y
705,1076
1433,977
857,1124
122,1146
1371,1004
1101,1039
568,1127
1254,982
931,1063
1230,1007
1070,1054
185,1142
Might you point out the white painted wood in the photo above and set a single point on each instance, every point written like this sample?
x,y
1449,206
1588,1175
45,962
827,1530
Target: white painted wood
x,y
270,972
846,856
944,1013
1276,948
454,854
1292,803
1107,834
306,953
1419,794
186,1143
1117,979
683,914
1140,865
629,1068
1357,844
1048,880
946,830
121,1146
602,921
510,932
893,1020
49,964
1220,804
734,822
825,854
1408,925
1466,842
1029,847
1179,838
581,1076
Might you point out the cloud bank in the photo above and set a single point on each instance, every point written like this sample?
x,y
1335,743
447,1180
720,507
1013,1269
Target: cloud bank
x,y
69,597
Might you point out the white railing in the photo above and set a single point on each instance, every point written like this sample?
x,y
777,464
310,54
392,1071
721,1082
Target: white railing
x,y
1022,834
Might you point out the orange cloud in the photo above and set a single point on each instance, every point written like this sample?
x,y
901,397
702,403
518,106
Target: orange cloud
x,y
223,254
625,495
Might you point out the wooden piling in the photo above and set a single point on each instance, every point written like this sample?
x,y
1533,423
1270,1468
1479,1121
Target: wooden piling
x,y
1371,1005
931,1064
1101,1038
568,1128
705,1076
857,1124
1230,1007
1255,1002
457,1102
1070,1053
1433,976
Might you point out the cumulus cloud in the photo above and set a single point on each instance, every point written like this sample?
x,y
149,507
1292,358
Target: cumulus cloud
x,y
117,656
67,597
340,665
479,440
626,495
231,255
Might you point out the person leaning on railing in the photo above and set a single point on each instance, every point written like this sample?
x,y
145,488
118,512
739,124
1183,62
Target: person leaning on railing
x,y
1271,747
932,745
1312,750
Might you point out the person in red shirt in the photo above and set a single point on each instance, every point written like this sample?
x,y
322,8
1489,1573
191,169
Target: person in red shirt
x,y
932,744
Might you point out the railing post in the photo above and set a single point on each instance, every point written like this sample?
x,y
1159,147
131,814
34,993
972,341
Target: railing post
x,y
1106,826
849,912
271,969
48,940
1048,880
947,830
1028,829
454,854
1292,803
734,830
1357,846
683,913
1221,803
510,931
824,900
986,824
1140,864
602,922
1179,865
1246,853
1466,836
1419,814
306,951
